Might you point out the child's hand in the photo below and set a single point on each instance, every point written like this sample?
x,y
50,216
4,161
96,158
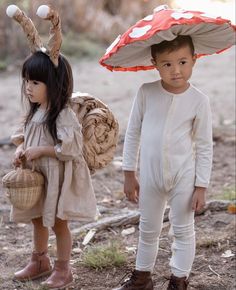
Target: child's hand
x,y
199,198
131,186
32,153
19,153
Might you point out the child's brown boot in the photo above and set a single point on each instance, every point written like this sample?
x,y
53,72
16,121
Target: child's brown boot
x,y
178,283
38,266
139,280
61,276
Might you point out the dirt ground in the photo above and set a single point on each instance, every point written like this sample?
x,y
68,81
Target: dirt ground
x,y
215,229
215,233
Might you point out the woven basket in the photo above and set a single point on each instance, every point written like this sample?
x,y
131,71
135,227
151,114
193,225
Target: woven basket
x,y
24,187
100,130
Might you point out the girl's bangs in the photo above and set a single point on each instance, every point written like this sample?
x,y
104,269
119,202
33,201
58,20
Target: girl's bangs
x,y
36,68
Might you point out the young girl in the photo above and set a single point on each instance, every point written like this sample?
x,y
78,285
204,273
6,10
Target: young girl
x,y
51,137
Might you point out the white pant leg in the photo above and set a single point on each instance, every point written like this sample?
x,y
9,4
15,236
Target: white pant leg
x,y
182,227
152,207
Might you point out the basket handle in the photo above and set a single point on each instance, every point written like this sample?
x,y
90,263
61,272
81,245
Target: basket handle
x,y
23,162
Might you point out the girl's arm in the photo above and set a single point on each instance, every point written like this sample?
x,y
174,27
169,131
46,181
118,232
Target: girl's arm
x,y
18,139
18,154
32,153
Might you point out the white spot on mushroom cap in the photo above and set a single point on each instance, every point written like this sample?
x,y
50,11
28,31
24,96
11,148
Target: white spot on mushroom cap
x,y
209,15
43,11
177,15
161,7
11,10
140,31
114,43
148,18
181,10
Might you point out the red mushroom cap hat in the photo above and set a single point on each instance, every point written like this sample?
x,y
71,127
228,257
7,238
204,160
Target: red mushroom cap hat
x,y
131,51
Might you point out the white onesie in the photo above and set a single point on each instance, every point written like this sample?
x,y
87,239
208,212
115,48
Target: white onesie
x,y
174,134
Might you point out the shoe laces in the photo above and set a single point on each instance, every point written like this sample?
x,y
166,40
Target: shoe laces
x,y
174,285
126,282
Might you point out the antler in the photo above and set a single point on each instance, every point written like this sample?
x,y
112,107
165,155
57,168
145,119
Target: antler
x,y
26,23
55,40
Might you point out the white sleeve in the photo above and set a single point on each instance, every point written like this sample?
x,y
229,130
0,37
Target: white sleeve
x,y
202,129
133,132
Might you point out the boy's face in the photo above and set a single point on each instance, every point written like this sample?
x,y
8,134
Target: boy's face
x,y
175,68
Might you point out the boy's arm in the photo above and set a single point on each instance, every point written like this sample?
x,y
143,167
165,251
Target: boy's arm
x,y
132,136
202,134
131,148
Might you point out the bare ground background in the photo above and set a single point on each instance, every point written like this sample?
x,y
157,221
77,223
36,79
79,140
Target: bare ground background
x,y
215,75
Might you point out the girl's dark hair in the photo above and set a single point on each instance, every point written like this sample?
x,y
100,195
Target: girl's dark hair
x,y
179,42
59,82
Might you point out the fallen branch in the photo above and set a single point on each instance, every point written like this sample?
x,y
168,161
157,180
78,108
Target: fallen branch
x,y
216,205
132,218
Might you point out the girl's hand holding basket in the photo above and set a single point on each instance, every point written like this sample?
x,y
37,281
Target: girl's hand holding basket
x,y
24,186
18,156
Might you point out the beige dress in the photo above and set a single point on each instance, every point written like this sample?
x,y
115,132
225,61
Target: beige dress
x,y
69,193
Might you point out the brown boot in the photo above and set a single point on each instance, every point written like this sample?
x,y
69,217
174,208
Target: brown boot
x,y
61,276
38,266
178,283
139,280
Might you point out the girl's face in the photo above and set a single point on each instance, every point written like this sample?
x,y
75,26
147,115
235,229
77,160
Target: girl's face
x,y
175,69
36,91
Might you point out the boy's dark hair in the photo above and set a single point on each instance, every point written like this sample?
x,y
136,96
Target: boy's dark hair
x,y
59,82
179,42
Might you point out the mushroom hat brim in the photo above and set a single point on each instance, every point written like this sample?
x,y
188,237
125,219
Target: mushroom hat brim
x,y
132,50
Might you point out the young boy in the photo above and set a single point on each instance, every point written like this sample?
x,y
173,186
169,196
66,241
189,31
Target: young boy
x,y
171,123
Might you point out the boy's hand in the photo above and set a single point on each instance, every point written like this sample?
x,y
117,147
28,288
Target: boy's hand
x,y
199,198
131,186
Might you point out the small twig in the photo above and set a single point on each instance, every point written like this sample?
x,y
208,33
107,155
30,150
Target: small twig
x,y
107,189
113,231
218,275
161,249
197,269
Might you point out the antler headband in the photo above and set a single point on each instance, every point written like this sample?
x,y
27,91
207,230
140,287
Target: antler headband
x,y
35,43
